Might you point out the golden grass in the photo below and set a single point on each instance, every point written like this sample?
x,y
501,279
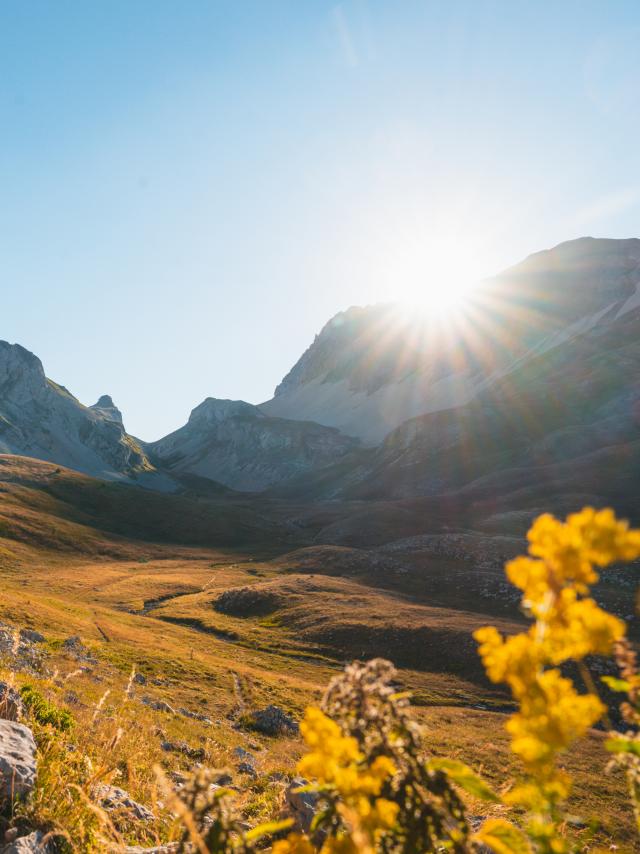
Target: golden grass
x,y
67,569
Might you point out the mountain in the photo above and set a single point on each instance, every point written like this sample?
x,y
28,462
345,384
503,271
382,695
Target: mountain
x,y
107,408
238,445
556,427
39,418
531,389
371,369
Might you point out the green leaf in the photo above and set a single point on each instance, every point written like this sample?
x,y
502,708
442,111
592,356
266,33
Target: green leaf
x,y
502,837
616,684
267,829
464,777
622,745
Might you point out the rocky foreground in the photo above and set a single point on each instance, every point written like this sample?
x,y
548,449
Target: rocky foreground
x,y
24,653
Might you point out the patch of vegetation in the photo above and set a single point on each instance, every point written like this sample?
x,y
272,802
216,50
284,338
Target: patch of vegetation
x,y
44,712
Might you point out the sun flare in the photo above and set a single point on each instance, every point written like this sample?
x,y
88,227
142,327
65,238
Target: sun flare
x,y
441,293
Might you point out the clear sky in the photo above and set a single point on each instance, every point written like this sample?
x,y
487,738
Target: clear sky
x,y
190,190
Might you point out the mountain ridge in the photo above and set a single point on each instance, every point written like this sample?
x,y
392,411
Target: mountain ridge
x,y
368,383
384,403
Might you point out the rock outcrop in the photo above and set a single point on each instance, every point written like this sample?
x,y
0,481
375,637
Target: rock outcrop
x,y
303,806
120,804
32,843
39,418
272,720
17,761
239,446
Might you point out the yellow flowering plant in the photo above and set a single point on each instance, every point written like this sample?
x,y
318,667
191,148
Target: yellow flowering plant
x,y
378,792
555,578
370,805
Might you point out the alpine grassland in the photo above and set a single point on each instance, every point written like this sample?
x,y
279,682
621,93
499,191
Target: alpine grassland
x,y
545,765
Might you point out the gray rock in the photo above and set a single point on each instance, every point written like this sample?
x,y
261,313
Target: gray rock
x,y
72,699
196,716
21,654
158,705
74,647
178,777
34,843
11,706
247,768
115,800
182,747
241,753
140,679
32,636
17,761
302,805
273,721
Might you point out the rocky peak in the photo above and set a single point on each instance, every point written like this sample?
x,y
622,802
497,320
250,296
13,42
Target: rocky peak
x,y
40,418
372,368
17,364
237,445
107,408
214,410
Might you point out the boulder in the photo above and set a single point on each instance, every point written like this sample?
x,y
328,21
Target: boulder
x,y
273,721
11,706
17,761
32,636
196,716
19,652
247,768
74,647
158,705
302,805
115,800
34,843
243,754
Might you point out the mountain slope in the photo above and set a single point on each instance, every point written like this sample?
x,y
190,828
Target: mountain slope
x,y
370,369
561,429
39,418
234,443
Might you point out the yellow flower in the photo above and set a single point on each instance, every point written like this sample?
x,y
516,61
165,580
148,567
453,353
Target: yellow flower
x,y
335,759
551,717
580,628
554,579
605,539
340,845
295,843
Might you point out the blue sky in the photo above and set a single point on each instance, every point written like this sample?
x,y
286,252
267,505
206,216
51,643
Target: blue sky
x,y
189,190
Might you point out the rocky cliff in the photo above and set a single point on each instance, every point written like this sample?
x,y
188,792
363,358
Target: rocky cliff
x,y
39,418
370,369
238,445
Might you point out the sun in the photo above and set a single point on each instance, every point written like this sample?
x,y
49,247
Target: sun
x,y
441,292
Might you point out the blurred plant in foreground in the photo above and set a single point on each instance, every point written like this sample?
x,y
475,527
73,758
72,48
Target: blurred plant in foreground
x,y
381,794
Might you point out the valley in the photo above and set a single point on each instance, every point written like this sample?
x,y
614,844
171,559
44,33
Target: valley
x,y
219,626
182,590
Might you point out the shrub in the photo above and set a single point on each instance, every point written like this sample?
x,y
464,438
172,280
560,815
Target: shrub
x,y
44,712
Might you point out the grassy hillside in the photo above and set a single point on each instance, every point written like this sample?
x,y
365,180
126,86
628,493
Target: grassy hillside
x,y
141,578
